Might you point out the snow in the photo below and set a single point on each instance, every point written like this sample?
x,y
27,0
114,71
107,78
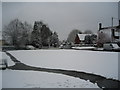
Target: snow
x,y
34,79
83,47
115,46
100,63
3,56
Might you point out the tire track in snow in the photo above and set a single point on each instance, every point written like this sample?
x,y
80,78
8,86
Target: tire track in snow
x,y
101,81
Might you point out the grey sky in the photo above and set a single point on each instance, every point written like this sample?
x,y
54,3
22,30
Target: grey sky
x,y
62,17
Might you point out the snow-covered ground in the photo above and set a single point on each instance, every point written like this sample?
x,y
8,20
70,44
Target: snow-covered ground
x,y
34,79
82,48
3,57
101,63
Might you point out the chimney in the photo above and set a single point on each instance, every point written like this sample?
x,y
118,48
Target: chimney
x,y
100,26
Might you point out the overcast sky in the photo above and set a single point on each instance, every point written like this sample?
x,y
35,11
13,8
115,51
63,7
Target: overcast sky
x,y
62,17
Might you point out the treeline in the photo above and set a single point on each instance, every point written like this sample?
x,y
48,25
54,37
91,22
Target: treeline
x,y
89,39
43,36
99,38
20,34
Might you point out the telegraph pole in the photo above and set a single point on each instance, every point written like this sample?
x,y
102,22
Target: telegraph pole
x,y
112,21
112,30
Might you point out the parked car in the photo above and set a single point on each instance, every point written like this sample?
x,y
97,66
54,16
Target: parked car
x,y
65,46
30,47
111,47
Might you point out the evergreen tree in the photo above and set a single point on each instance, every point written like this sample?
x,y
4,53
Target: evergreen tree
x,y
55,40
36,35
45,35
42,35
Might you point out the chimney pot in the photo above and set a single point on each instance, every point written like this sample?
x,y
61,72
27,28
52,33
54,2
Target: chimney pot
x,y
100,26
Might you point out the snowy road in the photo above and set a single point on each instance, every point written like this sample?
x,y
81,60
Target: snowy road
x,y
34,79
100,63
99,80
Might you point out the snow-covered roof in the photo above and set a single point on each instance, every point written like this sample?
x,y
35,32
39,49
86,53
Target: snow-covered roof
x,y
82,36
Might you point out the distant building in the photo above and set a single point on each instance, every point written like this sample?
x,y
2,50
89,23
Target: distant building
x,y
113,32
2,42
80,38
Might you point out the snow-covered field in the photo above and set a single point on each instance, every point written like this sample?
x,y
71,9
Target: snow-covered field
x,y
100,63
3,56
34,79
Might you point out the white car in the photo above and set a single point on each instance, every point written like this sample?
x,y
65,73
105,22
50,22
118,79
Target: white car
x,y
30,47
111,46
84,48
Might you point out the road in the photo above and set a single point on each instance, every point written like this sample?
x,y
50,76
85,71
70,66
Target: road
x,y
101,81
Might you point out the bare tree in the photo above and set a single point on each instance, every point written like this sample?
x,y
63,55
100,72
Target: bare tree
x,y
26,33
88,32
72,35
103,38
17,33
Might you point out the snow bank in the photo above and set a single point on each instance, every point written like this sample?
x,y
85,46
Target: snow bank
x,y
101,63
82,48
33,79
3,56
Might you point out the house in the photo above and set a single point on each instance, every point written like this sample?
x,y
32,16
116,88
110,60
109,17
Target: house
x,y
1,40
113,32
80,38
